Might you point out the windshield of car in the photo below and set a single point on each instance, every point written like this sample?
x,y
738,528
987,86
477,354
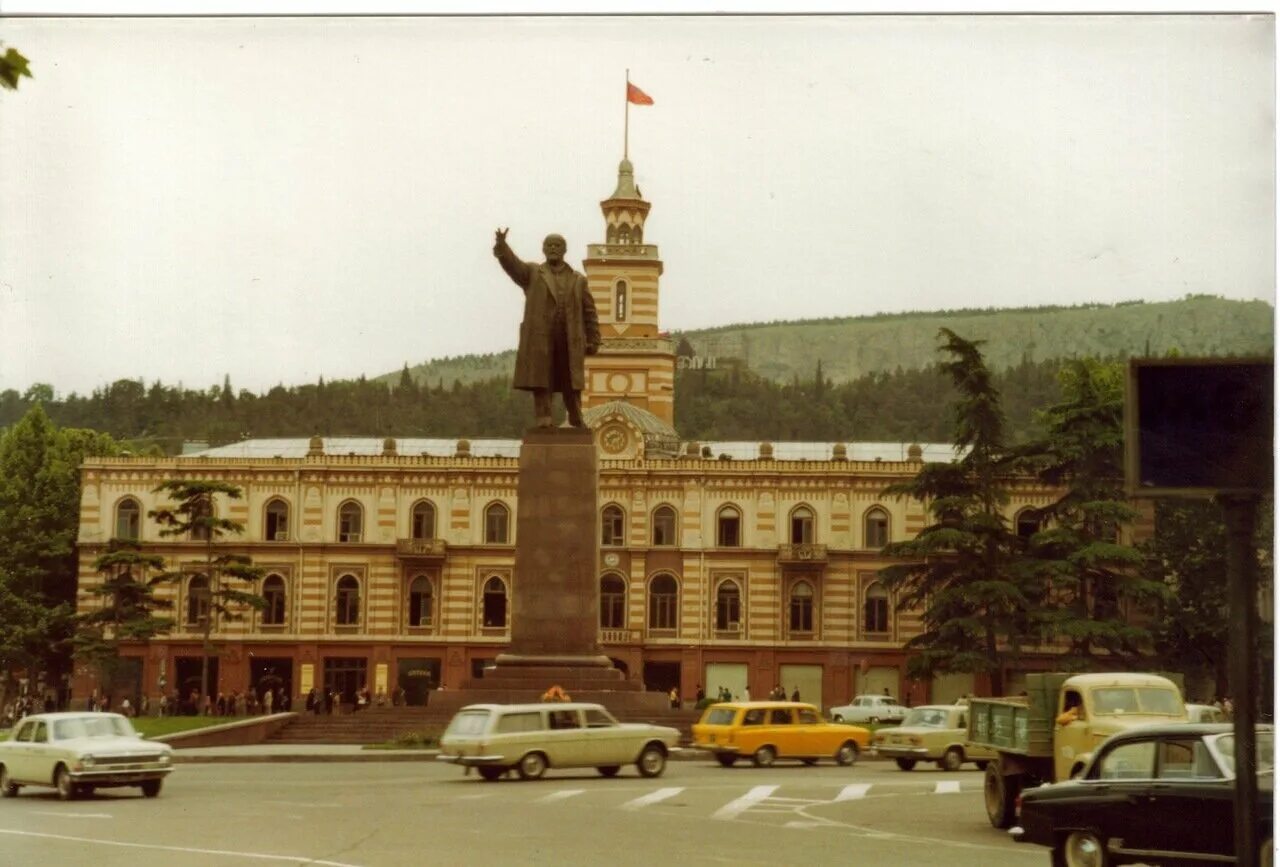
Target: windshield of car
x,y
469,722
96,726
926,717
1225,748
719,716
1116,700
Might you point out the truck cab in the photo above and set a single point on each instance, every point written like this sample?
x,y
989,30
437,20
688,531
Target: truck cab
x,y
1092,707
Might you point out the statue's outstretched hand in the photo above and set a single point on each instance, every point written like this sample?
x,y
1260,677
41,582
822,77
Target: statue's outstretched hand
x,y
499,240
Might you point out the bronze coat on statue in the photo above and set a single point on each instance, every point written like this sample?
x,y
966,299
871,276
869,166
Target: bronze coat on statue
x,y
533,357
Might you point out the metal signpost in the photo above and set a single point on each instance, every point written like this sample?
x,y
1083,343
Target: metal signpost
x,y
1204,428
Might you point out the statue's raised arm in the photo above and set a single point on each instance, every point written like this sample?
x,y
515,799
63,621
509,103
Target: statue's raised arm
x,y
518,271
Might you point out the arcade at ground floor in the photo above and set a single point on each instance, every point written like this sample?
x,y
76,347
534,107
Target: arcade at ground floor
x,y
823,676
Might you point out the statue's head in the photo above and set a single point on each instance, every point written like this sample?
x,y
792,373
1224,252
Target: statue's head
x,y
553,248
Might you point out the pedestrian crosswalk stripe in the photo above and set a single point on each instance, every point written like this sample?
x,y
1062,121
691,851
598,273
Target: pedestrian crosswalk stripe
x,y
560,795
853,790
947,787
652,798
746,802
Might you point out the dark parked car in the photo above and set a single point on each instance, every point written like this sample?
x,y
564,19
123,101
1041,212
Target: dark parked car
x,y
1153,795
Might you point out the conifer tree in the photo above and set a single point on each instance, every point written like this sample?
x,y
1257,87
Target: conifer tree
x,y
128,609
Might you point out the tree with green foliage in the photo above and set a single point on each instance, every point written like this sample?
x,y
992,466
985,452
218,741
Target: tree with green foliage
x,y
194,515
1092,579
13,67
39,524
128,609
962,571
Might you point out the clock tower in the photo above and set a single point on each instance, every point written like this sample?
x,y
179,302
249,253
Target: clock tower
x,y
635,364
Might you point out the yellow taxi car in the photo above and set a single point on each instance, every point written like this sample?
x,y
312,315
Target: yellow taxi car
x,y
767,730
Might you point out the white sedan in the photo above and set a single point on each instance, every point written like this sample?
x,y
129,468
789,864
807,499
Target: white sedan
x,y
870,709
76,753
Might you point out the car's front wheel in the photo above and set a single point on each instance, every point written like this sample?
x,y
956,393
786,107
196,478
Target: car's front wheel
x,y
905,764
151,788
952,759
726,760
1082,849
8,788
837,718
609,770
764,756
873,720
489,773
532,766
847,754
652,761
67,789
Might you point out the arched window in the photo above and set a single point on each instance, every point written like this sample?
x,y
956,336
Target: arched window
x,y
663,592
201,512
420,601
728,527
801,525
350,522
348,601
197,600
1027,523
273,593
276,515
611,235
664,526
611,526
613,602
637,234
495,603
624,234
496,519
620,301
875,609
801,607
876,528
424,520
728,607
128,519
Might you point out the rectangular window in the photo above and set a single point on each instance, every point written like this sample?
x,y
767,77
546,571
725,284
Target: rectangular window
x,y
519,722
728,535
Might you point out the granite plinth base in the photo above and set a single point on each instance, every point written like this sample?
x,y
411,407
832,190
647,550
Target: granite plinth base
x,y
528,674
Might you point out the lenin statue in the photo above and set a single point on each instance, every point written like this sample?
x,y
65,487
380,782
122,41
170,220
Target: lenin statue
x,y
559,328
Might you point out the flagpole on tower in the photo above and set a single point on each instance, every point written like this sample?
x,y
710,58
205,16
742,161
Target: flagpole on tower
x,y
626,115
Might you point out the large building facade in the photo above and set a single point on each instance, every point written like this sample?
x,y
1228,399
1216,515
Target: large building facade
x,y
389,563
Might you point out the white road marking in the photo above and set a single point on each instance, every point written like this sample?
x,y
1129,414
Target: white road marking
x,y
652,798
806,825
292,859
853,791
947,787
560,796
300,804
71,815
746,802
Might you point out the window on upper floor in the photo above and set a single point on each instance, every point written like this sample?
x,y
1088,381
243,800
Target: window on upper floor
x,y
876,528
202,516
496,521
728,527
276,520
663,595
875,609
620,301
801,607
612,521
728,607
420,599
495,603
197,600
664,526
128,519
350,522
423,519
613,602
1027,523
801,525
347,601
273,593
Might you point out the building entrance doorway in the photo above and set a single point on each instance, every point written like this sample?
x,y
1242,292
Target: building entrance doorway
x,y
271,672
345,675
661,676
187,680
417,677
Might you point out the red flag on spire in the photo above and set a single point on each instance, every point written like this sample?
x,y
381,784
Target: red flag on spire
x,y
637,96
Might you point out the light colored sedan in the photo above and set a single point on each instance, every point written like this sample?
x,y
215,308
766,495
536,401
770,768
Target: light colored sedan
x,y
529,738
76,753
870,709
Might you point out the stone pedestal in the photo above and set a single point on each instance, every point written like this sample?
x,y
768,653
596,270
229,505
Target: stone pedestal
x,y
555,604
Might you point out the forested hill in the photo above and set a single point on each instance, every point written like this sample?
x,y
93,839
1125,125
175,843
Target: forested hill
x,y
850,348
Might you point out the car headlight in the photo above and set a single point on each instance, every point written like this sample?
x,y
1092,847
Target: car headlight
x,y
87,761
165,758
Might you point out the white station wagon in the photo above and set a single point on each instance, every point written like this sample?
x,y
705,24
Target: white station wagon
x,y
79,752
869,709
496,738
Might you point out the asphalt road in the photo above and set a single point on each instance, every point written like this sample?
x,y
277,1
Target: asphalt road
x,y
386,815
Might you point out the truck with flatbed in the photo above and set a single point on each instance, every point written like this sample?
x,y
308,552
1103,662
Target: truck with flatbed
x,y
1050,732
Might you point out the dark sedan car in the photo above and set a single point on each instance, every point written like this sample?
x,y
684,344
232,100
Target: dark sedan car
x,y
1152,795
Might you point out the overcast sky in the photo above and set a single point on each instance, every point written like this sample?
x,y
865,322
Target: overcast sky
x,y
280,199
